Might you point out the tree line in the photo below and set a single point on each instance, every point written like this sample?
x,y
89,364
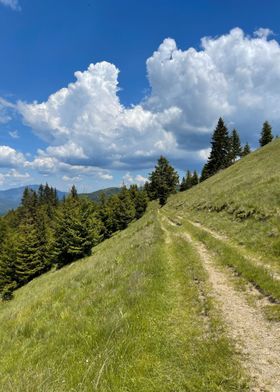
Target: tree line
x,y
225,150
45,233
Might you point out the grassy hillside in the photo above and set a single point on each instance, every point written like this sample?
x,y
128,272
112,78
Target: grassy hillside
x,y
107,192
139,314
242,201
135,316
236,215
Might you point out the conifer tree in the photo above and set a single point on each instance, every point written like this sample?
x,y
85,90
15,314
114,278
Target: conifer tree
x,y
204,173
3,229
140,200
235,146
246,150
74,193
28,261
220,153
105,216
163,192
29,203
163,181
125,211
188,183
266,134
195,180
140,203
147,189
7,265
183,185
73,231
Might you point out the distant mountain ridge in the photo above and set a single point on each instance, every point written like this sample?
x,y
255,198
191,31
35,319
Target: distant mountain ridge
x,y
11,198
107,192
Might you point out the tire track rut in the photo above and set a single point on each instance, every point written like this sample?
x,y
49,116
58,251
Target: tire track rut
x,y
255,337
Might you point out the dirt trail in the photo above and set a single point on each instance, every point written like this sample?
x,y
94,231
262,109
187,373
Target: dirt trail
x,y
256,338
223,238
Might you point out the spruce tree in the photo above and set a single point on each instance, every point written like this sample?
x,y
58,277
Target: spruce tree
x,y
163,181
220,153
204,173
73,232
195,180
266,134
125,211
73,192
28,261
188,184
140,200
235,146
183,185
7,265
140,203
246,150
105,216
29,204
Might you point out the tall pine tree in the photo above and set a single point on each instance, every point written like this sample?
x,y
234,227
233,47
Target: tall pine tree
x,y
204,173
163,181
125,211
73,231
246,150
220,153
235,146
7,264
29,262
188,183
195,179
266,134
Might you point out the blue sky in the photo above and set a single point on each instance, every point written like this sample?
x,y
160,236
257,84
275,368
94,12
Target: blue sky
x,y
108,125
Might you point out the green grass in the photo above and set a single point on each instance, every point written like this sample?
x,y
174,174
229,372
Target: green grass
x,y
130,318
242,201
229,256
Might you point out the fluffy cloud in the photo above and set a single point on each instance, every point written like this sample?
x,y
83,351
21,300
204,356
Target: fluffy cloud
x,y
234,76
128,179
5,108
9,157
85,123
13,177
12,4
45,165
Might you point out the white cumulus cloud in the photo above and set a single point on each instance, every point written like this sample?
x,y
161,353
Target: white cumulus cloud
x,y
128,179
11,3
45,165
235,76
85,123
9,157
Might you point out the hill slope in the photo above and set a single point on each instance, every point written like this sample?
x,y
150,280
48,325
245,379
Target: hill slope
x,y
233,220
156,308
107,192
242,201
129,318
